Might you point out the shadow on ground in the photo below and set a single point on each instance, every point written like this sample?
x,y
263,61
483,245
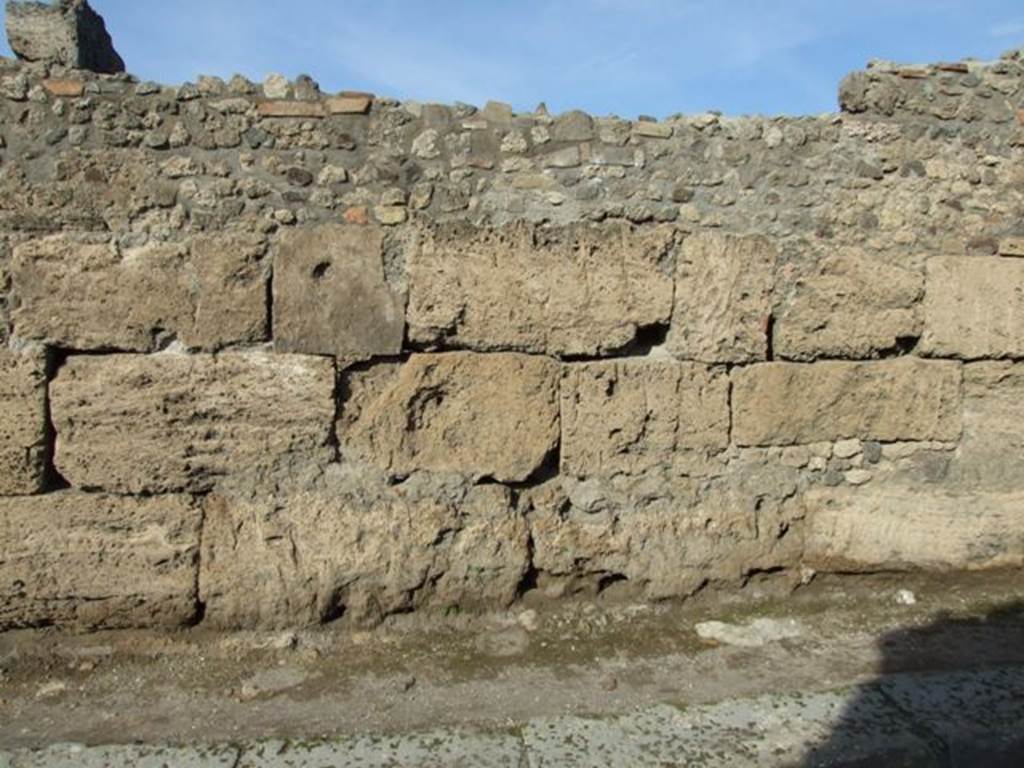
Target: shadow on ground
x,y
948,694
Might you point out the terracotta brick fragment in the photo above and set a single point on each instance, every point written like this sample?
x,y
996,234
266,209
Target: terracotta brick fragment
x,y
67,88
357,214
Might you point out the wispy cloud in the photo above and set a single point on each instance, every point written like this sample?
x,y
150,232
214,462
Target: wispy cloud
x,y
1013,28
622,56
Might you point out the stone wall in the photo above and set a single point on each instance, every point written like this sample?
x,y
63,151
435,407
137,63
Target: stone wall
x,y
274,357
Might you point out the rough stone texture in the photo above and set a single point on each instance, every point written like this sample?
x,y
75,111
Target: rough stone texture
x,y
723,298
483,415
897,529
349,545
974,308
851,306
89,560
23,439
136,217
440,748
126,756
67,32
816,729
792,403
85,293
170,422
657,537
575,291
330,295
635,415
990,457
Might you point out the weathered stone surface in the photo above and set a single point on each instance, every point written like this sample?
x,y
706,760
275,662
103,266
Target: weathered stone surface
x,y
723,298
313,109
974,307
634,415
1012,246
657,537
23,444
330,295
791,403
90,560
84,293
349,104
990,456
483,415
67,32
570,291
170,422
348,544
872,530
852,306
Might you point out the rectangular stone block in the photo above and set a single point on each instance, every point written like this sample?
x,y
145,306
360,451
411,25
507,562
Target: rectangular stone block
x,y
723,298
23,443
64,88
172,422
579,290
1012,246
331,296
990,456
851,306
651,130
887,400
85,293
974,307
349,104
86,561
634,415
912,528
349,544
490,416
290,109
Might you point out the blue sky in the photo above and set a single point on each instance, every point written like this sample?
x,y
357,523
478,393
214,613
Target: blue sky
x,y
624,57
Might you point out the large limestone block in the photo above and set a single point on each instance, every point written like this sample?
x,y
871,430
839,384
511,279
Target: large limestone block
x,y
888,400
723,298
895,529
658,537
23,443
493,415
852,306
83,293
578,290
349,545
990,457
629,416
974,307
87,560
330,294
158,423
65,32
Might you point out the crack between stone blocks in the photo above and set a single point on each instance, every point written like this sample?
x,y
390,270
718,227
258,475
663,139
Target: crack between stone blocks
x,y
200,607
52,479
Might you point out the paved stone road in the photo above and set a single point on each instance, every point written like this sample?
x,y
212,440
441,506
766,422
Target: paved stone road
x,y
955,719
